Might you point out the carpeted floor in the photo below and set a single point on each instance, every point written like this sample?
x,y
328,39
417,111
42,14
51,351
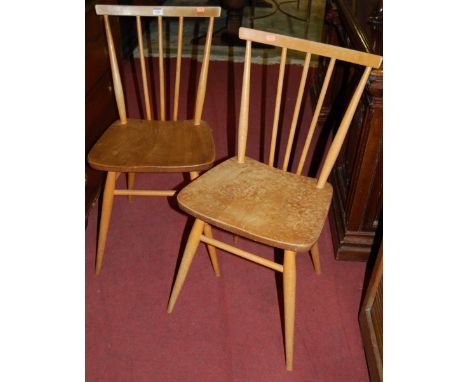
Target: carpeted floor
x,y
222,329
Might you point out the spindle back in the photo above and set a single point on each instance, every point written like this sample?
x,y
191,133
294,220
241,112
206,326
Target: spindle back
x,y
334,53
160,12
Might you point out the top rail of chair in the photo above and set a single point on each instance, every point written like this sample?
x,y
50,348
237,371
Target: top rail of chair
x,y
313,47
148,10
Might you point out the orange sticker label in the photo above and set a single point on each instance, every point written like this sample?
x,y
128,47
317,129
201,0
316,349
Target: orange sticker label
x,y
270,37
200,9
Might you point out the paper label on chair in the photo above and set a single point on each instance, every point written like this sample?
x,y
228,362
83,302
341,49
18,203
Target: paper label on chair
x,y
200,9
158,11
270,37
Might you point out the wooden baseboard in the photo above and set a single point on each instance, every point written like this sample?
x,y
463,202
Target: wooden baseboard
x,y
347,244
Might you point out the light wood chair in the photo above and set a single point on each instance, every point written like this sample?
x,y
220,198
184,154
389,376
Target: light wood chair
x,y
267,204
147,145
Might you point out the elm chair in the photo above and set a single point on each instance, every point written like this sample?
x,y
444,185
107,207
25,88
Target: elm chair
x,y
266,204
147,145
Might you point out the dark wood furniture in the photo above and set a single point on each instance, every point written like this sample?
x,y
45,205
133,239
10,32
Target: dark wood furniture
x,y
371,320
99,97
357,176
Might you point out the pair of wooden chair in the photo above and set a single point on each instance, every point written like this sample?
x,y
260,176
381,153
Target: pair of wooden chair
x,y
258,201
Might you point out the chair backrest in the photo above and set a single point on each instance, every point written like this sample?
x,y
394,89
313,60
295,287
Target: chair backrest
x,y
159,12
334,53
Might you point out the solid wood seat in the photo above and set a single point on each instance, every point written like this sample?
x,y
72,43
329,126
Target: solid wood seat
x,y
260,202
154,146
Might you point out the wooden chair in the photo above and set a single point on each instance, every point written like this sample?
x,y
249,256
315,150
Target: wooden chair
x,y
263,203
147,145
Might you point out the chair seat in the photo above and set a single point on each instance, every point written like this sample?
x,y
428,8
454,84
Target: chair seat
x,y
259,202
154,146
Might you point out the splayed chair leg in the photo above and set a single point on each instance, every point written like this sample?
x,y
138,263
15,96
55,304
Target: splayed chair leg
x,y
130,184
316,258
189,253
207,232
212,251
107,201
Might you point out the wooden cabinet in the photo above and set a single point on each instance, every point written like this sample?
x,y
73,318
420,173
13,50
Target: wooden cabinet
x,y
357,176
371,321
100,106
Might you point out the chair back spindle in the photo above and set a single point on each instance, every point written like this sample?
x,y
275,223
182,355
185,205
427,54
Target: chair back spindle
x,y
279,92
334,53
300,93
149,114
178,64
342,130
317,110
162,97
118,89
201,91
244,107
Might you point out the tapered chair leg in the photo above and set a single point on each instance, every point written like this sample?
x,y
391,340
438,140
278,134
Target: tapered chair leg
x,y
289,293
207,232
316,258
130,184
212,251
107,201
189,253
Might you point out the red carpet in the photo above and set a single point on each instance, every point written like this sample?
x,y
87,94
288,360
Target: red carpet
x,y
222,329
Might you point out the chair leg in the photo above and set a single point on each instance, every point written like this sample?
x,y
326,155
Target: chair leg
x,y
316,258
207,232
289,293
212,250
130,184
108,199
189,253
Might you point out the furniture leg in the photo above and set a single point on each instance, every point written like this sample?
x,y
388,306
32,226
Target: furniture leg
x,y
207,232
108,200
211,250
289,292
130,184
316,258
189,253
